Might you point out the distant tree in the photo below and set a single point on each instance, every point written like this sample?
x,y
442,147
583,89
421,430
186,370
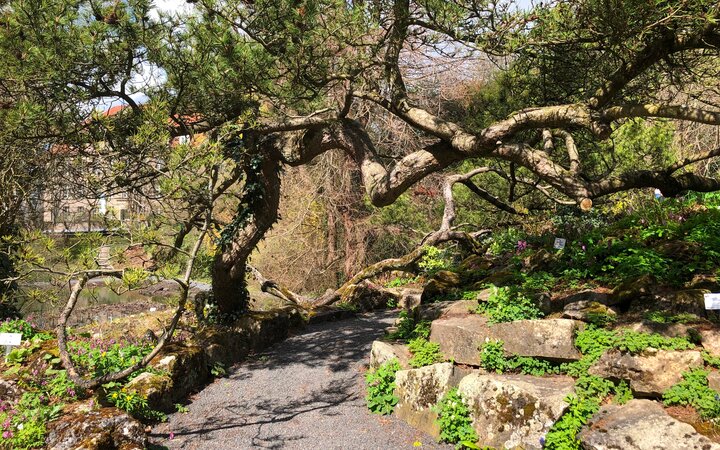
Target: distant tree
x,y
279,82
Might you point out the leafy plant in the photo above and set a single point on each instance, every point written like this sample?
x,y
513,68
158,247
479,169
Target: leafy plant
x,y
380,387
433,260
694,391
131,402
179,407
589,392
710,360
454,421
17,326
666,317
399,281
623,394
424,352
23,425
408,328
218,370
102,357
507,304
493,359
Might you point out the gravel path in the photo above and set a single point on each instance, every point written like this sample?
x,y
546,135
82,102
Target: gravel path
x,y
304,393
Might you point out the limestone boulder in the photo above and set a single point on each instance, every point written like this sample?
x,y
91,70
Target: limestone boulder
x,y
714,380
710,339
442,283
187,366
499,278
663,329
453,308
474,264
684,301
632,289
157,388
586,310
410,298
640,425
460,338
538,260
382,352
650,373
703,281
420,389
514,411
96,429
550,305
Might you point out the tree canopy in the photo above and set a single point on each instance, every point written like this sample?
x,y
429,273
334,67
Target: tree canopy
x,y
278,82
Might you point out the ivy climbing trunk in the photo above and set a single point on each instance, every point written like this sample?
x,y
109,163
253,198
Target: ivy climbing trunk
x,y
229,267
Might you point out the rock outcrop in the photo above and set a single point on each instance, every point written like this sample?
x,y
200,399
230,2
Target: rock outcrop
x,y
650,373
514,411
460,338
420,389
96,429
640,425
442,283
585,310
382,352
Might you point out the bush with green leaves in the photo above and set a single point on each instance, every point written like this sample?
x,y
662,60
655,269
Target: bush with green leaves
x,y
47,388
694,391
131,402
507,304
589,393
23,425
506,241
100,357
454,421
380,383
434,260
493,359
25,328
424,352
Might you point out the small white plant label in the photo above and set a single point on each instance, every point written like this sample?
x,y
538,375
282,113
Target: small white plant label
x,y
559,243
10,340
712,301
13,339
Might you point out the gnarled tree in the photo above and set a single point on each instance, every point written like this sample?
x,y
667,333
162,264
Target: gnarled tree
x,y
281,82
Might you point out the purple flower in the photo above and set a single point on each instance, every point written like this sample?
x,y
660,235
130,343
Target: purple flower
x,y
542,440
171,436
583,247
521,246
7,434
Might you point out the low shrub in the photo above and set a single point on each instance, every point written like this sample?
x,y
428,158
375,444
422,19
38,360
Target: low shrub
x,y
424,352
454,421
380,383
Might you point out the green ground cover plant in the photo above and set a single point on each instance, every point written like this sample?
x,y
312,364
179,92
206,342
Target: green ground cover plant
x,y
409,328
424,352
694,391
506,304
380,384
454,421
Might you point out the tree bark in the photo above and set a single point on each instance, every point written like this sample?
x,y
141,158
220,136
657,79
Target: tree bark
x,y
229,267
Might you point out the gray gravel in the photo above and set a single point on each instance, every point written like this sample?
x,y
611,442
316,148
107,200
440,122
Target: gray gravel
x,y
304,393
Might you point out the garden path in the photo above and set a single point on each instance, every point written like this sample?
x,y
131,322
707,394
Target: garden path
x,y
306,392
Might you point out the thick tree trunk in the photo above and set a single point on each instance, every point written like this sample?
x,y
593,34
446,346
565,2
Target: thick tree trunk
x,y
229,267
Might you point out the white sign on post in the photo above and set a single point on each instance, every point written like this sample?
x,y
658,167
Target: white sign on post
x,y
10,340
559,243
712,301
13,339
